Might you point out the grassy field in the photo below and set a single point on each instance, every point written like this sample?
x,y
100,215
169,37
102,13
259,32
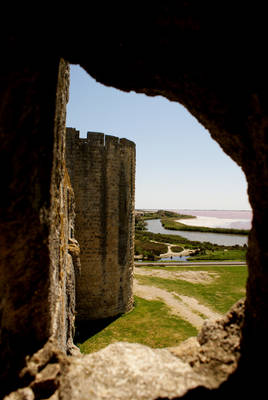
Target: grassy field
x,y
220,295
221,255
148,323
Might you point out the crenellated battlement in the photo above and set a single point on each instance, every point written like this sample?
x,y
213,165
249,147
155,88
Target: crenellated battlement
x,y
97,139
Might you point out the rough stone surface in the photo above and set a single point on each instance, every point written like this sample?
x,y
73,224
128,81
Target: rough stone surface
x,y
102,172
121,371
21,394
37,273
42,372
26,159
128,371
134,371
216,351
63,250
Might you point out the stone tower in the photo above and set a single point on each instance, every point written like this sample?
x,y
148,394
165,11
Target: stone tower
x,y
102,173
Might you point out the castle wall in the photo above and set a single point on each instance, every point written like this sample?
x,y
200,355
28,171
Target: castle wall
x,y
102,172
37,292
63,250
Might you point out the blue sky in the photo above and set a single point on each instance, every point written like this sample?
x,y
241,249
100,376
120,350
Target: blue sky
x,y
178,165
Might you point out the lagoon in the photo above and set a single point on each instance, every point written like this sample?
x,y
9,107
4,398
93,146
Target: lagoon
x,y
155,226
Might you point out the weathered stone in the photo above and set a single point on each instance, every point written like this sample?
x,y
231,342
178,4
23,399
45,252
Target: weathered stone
x,y
49,353
187,350
21,394
42,370
26,159
37,279
102,172
46,381
127,371
216,351
120,371
62,276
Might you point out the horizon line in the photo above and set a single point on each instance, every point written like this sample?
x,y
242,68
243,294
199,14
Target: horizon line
x,y
194,209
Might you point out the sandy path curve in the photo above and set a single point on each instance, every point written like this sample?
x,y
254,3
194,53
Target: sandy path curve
x,y
195,305
184,252
185,307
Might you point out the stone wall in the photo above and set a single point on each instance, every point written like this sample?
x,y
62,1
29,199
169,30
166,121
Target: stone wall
x,y
66,264
36,274
102,172
63,250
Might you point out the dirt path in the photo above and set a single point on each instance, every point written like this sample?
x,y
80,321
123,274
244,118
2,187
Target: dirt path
x,y
203,277
184,252
196,306
169,253
188,308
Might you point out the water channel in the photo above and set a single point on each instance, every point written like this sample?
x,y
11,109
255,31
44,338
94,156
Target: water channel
x,y
155,226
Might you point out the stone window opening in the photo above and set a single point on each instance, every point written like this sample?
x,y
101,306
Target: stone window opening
x,y
222,329
223,83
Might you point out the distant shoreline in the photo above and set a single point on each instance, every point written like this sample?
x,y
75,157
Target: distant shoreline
x,y
172,224
179,221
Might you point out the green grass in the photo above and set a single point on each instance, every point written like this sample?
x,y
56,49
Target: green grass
x,y
219,295
165,214
141,247
170,223
220,255
176,249
149,323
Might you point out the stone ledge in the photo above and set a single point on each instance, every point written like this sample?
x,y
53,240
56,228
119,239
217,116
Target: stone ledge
x,y
133,371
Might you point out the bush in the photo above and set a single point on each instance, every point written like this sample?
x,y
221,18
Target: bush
x,y
176,249
149,249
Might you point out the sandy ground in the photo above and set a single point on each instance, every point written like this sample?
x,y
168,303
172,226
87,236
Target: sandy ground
x,y
185,252
203,277
188,308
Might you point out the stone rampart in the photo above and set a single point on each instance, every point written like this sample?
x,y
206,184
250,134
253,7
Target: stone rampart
x,y
102,173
